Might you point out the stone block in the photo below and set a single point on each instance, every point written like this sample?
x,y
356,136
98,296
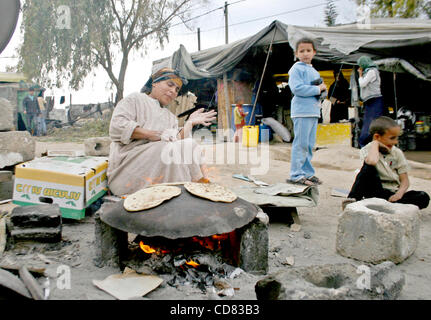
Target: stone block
x,y
375,230
98,146
6,185
16,147
110,243
37,234
253,253
6,118
37,216
5,176
6,190
342,281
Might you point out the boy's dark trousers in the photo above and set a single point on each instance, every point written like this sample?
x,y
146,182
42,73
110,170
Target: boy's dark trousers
x,y
368,185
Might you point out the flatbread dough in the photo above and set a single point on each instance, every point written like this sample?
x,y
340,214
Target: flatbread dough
x,y
211,191
150,197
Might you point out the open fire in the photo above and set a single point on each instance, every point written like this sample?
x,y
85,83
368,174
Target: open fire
x,y
195,260
187,240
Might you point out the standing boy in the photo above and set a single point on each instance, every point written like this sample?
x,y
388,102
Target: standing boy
x,y
384,172
305,112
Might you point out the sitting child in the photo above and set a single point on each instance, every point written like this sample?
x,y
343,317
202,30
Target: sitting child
x,y
384,172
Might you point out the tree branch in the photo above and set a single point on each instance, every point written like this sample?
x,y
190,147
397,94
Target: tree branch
x,y
119,22
158,27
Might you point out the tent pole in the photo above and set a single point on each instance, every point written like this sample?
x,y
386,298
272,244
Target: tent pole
x,y
395,95
261,78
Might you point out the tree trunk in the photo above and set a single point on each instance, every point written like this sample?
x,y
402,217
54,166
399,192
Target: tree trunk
x,y
122,77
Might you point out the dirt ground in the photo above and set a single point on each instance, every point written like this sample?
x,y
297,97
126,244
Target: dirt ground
x,y
314,244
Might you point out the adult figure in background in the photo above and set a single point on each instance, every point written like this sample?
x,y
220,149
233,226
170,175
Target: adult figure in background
x,y
371,96
31,111
40,120
147,145
339,95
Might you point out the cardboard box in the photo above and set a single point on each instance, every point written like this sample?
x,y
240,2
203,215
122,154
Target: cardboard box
x,y
74,183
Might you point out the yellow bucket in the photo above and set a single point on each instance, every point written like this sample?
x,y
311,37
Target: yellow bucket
x,y
250,136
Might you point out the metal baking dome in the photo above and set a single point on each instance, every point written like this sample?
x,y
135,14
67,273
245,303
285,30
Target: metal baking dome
x,y
9,12
182,217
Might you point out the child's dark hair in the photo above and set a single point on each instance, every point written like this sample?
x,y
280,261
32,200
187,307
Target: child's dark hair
x,y
305,40
381,125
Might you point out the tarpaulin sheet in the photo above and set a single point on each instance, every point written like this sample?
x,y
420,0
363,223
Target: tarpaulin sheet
x,y
406,43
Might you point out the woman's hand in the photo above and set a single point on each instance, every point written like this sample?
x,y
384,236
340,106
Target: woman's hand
x,y
360,71
201,117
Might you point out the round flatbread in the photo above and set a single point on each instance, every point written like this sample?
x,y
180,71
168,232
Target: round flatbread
x,y
150,197
211,191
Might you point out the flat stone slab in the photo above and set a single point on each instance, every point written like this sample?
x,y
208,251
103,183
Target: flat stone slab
x,y
97,146
16,147
375,230
342,281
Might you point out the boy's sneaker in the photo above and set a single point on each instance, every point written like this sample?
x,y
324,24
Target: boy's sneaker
x,y
346,202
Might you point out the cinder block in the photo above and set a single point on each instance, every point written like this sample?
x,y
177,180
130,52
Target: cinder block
x,y
98,146
16,147
375,230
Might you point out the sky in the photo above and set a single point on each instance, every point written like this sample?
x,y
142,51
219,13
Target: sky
x,y
245,18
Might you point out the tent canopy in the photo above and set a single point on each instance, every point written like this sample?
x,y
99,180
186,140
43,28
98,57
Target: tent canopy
x,y
399,45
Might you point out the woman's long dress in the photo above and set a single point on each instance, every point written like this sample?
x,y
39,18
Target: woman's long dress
x,y
134,164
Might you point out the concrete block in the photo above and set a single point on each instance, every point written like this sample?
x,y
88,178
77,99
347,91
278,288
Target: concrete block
x,y
6,118
16,147
37,216
98,146
375,230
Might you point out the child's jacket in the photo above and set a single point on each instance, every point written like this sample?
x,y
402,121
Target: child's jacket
x,y
305,102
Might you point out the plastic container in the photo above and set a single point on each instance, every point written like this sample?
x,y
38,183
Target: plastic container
x,y
250,136
420,127
265,133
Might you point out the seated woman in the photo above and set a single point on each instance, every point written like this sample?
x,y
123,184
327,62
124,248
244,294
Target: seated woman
x,y
147,145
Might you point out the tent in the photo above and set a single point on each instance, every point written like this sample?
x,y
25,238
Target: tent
x,y
400,47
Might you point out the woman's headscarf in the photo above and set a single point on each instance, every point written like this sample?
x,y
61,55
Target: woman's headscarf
x,y
164,74
366,63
